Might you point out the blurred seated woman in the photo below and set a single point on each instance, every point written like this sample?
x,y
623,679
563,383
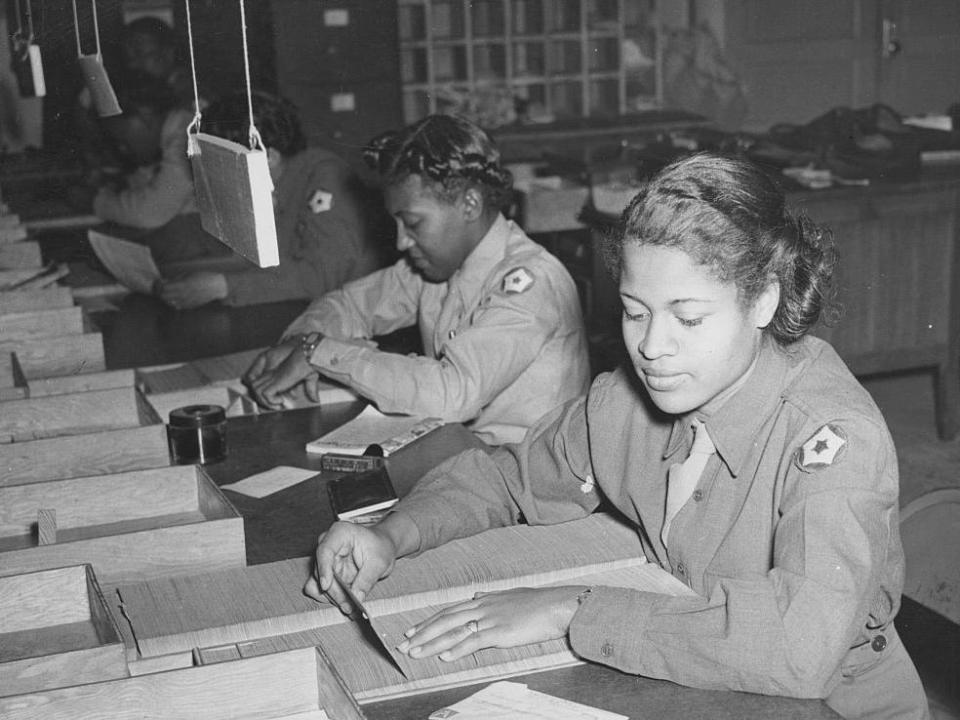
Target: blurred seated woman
x,y
327,220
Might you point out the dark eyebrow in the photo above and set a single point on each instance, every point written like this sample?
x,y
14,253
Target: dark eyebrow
x,y
678,301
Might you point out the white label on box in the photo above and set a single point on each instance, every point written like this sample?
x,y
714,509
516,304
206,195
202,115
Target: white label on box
x,y
343,102
336,18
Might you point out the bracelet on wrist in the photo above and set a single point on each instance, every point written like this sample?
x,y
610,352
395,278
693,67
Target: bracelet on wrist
x,y
308,343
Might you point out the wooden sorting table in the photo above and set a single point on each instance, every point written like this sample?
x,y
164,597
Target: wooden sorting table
x,y
286,524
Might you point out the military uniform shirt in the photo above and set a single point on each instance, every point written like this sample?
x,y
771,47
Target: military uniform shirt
x,y
790,539
158,193
323,234
503,338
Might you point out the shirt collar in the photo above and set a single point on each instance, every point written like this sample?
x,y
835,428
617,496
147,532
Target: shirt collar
x,y
734,426
482,259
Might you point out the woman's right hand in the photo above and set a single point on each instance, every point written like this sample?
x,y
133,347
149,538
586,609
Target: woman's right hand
x,y
358,556
268,361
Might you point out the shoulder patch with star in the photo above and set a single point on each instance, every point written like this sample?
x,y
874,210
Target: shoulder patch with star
x,y
321,201
517,281
823,449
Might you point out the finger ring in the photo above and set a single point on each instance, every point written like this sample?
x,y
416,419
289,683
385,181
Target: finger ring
x,y
473,627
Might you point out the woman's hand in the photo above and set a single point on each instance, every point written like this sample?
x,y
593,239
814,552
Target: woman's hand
x,y
352,554
502,619
277,371
193,290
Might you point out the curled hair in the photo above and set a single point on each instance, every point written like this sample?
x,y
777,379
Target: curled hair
x,y
730,216
450,152
275,118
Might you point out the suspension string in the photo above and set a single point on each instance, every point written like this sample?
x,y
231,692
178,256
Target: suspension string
x,y
96,27
18,35
194,125
76,27
29,19
254,138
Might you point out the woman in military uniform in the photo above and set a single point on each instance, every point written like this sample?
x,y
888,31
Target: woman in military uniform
x,y
787,530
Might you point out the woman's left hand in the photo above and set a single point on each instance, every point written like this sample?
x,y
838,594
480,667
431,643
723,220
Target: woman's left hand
x,y
193,290
502,619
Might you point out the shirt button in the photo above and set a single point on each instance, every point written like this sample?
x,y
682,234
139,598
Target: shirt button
x,y
698,495
452,334
879,643
334,361
606,650
681,569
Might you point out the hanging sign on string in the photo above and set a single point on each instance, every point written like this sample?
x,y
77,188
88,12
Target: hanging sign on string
x,y
26,61
233,184
94,73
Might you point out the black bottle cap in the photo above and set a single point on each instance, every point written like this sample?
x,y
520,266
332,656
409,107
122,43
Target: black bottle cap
x,y
195,416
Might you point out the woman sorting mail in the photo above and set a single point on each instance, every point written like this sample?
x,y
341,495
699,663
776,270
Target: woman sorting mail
x,y
752,464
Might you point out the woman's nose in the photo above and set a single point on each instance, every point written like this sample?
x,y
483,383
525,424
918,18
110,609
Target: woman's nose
x,y
657,341
404,242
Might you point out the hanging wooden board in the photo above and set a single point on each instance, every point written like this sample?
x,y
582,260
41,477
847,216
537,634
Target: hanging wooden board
x,y
98,83
55,630
235,197
98,453
132,526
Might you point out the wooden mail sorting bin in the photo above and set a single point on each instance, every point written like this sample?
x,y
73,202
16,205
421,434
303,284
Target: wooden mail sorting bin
x,y
97,453
63,384
18,301
132,526
55,630
296,684
41,323
55,356
25,254
74,414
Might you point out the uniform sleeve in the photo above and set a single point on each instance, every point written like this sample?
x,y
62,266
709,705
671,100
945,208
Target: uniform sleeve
x,y
326,248
507,333
782,632
546,479
167,191
377,304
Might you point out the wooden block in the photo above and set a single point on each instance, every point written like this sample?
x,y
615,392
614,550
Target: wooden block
x,y
82,455
46,527
41,323
60,355
74,414
235,197
12,234
55,630
371,675
130,527
55,296
163,403
81,382
283,685
175,615
24,254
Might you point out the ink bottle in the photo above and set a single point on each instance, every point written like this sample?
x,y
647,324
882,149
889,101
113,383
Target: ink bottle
x,y
197,434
